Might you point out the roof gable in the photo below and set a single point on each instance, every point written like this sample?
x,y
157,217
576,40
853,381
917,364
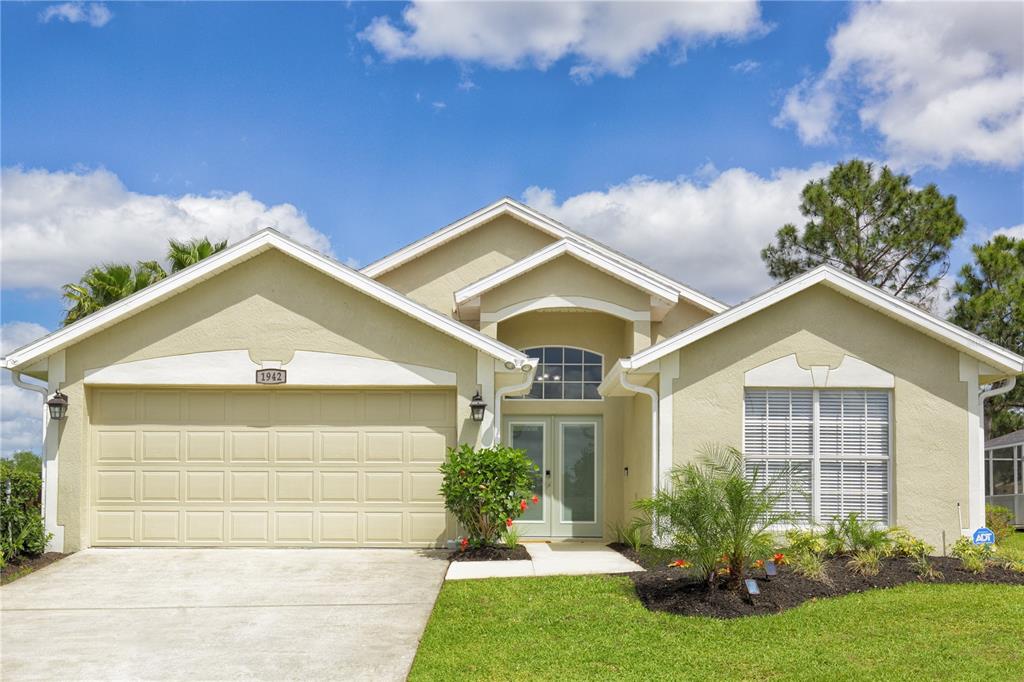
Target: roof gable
x,y
524,213
258,243
848,285
580,252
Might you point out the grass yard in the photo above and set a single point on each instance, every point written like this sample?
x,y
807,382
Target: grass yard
x,y
1015,541
593,627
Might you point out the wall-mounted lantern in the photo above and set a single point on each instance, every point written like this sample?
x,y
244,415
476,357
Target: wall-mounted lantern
x,y
58,406
477,407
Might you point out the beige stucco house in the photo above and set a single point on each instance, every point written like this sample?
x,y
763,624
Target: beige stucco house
x,y
606,372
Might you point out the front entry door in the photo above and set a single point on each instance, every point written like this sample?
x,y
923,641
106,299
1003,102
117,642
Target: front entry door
x,y
568,486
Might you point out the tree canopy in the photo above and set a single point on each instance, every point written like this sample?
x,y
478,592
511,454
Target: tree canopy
x,y
874,225
102,285
989,301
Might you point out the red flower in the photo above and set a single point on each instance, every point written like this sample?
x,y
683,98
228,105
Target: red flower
x,y
759,563
534,499
522,505
780,559
679,563
464,543
508,522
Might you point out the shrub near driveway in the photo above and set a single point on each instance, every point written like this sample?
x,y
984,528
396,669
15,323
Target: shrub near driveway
x,y
594,628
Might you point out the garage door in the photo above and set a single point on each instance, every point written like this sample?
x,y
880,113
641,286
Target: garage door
x,y
268,467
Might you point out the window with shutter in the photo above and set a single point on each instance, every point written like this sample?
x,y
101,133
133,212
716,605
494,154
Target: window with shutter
x,y
826,450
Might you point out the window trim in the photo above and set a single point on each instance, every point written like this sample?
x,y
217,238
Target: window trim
x,y
816,457
528,399
1017,460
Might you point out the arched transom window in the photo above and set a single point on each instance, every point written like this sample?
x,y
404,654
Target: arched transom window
x,y
565,373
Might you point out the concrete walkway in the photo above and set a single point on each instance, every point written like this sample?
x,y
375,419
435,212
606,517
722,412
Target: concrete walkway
x,y
218,614
555,558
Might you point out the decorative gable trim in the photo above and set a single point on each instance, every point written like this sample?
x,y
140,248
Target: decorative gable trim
x,y
786,372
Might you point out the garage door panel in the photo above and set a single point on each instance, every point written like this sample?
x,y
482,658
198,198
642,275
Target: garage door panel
x,y
250,446
337,468
294,446
161,446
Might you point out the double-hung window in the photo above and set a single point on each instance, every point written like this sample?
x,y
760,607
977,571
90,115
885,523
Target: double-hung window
x,y
825,451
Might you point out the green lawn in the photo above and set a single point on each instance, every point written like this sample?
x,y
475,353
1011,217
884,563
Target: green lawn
x,y
593,627
1016,541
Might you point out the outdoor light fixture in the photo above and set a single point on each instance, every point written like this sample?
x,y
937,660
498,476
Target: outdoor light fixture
x,y
752,588
770,569
477,407
58,405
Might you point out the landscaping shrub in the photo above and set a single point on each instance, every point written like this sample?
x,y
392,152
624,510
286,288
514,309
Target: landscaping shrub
x,y
800,541
510,538
999,520
851,535
974,557
630,535
22,531
713,515
487,489
924,567
809,564
864,562
903,543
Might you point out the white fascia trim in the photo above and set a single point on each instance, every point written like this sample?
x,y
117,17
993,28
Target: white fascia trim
x,y
248,248
846,284
583,302
508,206
560,248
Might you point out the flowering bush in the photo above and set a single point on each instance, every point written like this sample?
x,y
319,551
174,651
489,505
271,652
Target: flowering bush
x,y
486,489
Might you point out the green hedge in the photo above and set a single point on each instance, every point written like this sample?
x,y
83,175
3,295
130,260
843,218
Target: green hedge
x,y
22,532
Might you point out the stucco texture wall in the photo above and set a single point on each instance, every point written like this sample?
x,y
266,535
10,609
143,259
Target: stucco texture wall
x,y
930,432
596,332
271,305
681,316
434,277
565,276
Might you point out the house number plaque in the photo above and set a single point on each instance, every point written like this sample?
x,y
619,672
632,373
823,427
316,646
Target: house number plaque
x,y
271,376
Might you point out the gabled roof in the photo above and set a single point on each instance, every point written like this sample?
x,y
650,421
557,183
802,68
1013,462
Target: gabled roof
x,y
578,250
998,357
252,246
507,206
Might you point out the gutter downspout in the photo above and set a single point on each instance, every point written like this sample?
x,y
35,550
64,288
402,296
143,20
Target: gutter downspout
x,y
999,388
653,395
45,392
500,394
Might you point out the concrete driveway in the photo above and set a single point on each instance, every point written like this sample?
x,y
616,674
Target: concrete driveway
x,y
220,614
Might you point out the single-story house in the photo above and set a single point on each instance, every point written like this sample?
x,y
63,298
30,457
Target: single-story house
x,y
271,396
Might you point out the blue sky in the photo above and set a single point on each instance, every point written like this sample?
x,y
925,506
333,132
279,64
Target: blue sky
x,y
360,127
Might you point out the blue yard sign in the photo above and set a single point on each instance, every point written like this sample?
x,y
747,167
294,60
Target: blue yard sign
x,y
983,536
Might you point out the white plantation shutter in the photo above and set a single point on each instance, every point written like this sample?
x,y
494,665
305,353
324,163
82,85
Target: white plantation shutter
x,y
850,463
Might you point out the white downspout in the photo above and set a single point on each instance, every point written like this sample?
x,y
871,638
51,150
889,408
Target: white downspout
x,y
653,395
1004,386
976,508
43,391
500,394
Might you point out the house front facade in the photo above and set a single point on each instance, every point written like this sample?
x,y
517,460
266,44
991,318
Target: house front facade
x,y
270,396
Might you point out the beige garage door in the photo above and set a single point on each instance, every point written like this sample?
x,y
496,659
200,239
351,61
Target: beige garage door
x,y
268,467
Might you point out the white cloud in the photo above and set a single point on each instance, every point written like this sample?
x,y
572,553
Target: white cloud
x,y
939,83
707,231
21,410
602,37
1015,232
96,14
439,106
55,225
746,66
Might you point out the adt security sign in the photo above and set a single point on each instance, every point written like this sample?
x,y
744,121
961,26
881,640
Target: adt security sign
x,y
983,536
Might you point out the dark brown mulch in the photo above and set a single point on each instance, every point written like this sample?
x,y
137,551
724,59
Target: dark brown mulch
x,y
650,559
491,554
21,566
675,591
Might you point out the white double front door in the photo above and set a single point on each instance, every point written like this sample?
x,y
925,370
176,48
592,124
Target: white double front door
x,y
567,452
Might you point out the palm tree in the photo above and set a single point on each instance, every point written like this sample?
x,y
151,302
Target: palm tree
x,y
183,254
103,285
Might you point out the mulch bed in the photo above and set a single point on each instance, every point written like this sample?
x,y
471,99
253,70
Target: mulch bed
x,y
675,591
491,554
22,566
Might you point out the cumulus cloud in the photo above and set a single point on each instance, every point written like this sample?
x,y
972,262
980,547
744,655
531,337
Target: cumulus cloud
x,y
940,83
55,224
601,37
1015,232
21,410
706,231
96,14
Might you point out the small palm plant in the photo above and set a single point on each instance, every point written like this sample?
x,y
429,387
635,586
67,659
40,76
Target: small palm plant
x,y
714,512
